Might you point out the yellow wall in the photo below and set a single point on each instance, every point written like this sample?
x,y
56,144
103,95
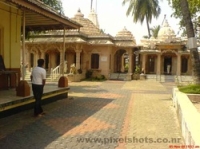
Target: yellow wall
x,y
10,26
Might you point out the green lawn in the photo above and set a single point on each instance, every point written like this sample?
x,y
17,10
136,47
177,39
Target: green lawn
x,y
190,89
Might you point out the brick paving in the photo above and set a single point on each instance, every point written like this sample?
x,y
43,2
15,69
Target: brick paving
x,y
98,115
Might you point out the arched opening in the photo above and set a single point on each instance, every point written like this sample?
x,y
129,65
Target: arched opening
x,y
167,64
121,61
151,64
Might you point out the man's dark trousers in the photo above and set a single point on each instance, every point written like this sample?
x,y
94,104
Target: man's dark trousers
x,y
37,92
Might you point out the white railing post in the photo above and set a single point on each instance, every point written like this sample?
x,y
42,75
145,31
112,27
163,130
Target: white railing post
x,y
51,74
55,73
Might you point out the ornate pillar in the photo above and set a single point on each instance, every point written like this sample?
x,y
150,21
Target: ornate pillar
x,y
178,72
36,57
42,54
130,63
61,61
28,60
144,58
122,63
78,58
158,64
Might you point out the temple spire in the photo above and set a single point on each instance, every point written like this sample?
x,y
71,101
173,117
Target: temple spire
x,y
93,15
164,19
91,5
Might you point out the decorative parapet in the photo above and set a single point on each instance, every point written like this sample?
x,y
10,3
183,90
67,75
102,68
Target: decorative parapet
x,y
189,118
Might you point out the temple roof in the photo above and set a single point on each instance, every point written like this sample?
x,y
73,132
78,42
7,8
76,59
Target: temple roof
x,y
125,33
88,33
88,27
125,38
166,32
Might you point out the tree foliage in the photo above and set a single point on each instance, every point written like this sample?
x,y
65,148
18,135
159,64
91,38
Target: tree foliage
x,y
143,10
155,30
55,4
194,7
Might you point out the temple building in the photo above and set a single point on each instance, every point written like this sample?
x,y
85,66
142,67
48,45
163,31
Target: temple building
x,y
114,57
166,57
88,49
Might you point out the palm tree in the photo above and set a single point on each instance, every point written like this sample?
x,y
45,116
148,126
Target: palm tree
x,y
155,31
191,37
143,9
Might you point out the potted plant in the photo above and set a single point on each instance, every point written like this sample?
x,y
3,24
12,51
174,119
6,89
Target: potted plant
x,y
136,74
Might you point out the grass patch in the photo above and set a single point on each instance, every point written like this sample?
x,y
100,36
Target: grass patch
x,y
190,89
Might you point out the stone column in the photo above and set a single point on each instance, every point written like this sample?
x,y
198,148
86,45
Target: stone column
x,y
36,57
158,64
29,61
42,55
78,58
61,60
122,63
144,58
178,70
130,63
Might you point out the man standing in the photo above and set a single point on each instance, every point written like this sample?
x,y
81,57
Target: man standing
x,y
38,79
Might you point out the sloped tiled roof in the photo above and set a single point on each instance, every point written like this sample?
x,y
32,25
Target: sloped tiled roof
x,y
88,33
124,38
88,27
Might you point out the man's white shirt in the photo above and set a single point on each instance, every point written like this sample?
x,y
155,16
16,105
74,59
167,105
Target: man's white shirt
x,y
38,75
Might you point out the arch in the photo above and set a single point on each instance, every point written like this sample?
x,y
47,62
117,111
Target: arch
x,y
169,51
120,60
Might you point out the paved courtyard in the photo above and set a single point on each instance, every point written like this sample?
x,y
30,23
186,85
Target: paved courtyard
x,y
99,115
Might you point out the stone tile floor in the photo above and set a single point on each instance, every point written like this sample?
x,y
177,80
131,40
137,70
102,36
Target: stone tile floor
x,y
106,115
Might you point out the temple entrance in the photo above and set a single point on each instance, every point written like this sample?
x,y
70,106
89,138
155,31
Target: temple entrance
x,y
121,61
167,65
150,64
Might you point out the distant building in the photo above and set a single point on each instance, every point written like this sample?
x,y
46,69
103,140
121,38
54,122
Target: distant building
x,y
88,49
114,57
166,55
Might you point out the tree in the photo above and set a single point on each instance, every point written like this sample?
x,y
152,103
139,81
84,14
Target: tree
x,y
155,30
194,7
143,9
55,4
185,12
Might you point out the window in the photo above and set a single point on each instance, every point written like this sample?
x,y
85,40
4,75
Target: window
x,y
95,61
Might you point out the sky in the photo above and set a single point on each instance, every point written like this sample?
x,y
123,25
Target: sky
x,y
112,16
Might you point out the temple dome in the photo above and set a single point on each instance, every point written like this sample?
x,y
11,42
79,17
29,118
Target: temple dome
x,y
166,31
124,33
79,14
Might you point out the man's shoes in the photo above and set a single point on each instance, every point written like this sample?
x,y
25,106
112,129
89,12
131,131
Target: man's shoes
x,y
40,115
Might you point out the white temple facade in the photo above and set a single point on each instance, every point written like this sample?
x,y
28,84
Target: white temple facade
x,y
166,56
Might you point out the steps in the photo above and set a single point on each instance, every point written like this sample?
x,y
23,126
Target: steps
x,y
121,76
48,77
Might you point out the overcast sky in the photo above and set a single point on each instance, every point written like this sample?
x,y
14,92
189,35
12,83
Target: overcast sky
x,y
112,16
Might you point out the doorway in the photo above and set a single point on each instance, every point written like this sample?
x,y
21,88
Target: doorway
x,y
167,65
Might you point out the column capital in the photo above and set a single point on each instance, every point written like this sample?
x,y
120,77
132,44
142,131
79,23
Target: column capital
x,y
78,51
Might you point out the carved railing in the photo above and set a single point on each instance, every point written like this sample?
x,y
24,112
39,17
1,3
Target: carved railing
x,y
55,73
